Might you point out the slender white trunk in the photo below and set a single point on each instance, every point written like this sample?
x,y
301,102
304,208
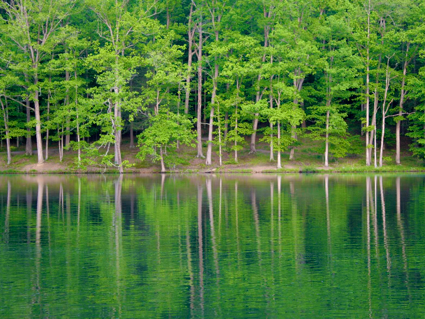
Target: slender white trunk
x,y
271,124
38,128
253,149
400,112
367,86
279,156
162,160
48,118
6,128
28,145
78,122
211,125
327,140
68,135
384,111
191,31
199,111
117,120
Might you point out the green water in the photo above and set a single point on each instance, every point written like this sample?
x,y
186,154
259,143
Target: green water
x,y
285,246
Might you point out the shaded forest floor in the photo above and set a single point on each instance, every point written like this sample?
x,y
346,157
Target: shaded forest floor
x,y
308,158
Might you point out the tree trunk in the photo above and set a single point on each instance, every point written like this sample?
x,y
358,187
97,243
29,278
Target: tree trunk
x,y
279,156
28,145
60,144
327,140
211,125
385,110
374,122
271,124
219,136
117,134
236,123
48,118
6,128
191,33
400,112
68,136
117,119
257,98
78,122
298,84
38,127
162,160
199,111
367,86
236,132
381,153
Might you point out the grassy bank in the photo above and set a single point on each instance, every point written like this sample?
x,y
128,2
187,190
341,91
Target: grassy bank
x,y
308,159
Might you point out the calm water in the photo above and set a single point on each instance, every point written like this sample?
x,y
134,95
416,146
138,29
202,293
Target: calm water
x,y
212,246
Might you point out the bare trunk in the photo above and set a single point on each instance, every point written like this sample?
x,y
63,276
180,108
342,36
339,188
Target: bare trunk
x,y
117,120
236,122
60,132
298,84
385,110
254,134
294,136
368,160
162,160
191,32
48,118
68,136
236,132
327,140
6,129
328,113
219,137
117,146
211,125
9,153
374,122
381,152
28,145
279,137
78,122
178,112
257,98
271,124
400,112
397,138
279,156
38,128
199,111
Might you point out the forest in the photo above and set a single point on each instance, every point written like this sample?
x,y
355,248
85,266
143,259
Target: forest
x,y
220,76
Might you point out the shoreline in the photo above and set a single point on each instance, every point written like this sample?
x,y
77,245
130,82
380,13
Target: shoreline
x,y
247,171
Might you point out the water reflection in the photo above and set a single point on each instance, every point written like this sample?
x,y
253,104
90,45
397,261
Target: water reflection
x,y
212,246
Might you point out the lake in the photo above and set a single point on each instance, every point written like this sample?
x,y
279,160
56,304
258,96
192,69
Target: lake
x,y
215,246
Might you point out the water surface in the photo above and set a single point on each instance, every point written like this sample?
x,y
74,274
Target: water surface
x,y
288,246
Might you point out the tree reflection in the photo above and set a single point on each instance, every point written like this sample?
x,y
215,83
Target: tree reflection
x,y
400,227
6,221
117,222
200,250
211,246
384,227
369,271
